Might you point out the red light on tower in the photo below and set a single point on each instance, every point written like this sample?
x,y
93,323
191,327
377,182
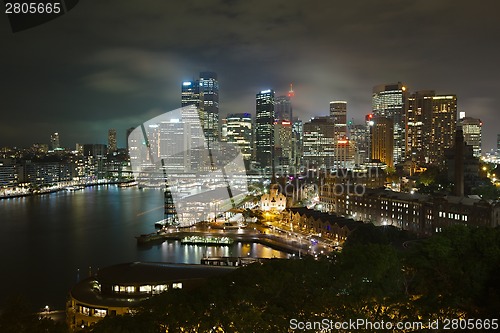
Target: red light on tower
x,y
291,93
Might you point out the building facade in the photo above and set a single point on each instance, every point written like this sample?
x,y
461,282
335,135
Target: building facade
x,y
55,141
118,289
264,128
329,226
431,123
319,143
382,140
238,130
389,100
112,146
283,109
418,213
204,94
284,145
471,128
338,113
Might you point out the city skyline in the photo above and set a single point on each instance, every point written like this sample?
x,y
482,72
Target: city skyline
x,y
86,78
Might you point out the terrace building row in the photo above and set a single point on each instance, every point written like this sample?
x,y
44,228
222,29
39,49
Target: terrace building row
x,y
329,226
418,213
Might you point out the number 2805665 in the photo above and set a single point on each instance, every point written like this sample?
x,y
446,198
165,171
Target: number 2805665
x,y
32,8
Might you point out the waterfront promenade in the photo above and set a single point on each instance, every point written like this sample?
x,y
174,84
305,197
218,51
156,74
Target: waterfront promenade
x,y
294,244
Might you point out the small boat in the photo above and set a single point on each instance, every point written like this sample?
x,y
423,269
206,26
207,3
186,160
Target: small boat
x,y
212,240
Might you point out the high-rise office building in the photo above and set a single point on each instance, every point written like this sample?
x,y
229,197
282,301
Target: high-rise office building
x,y
443,126
338,112
498,144
264,128
389,100
283,145
431,123
298,136
238,130
344,149
190,93
54,141
382,144
204,94
360,136
209,94
112,140
471,128
319,143
173,145
344,154
283,108
129,130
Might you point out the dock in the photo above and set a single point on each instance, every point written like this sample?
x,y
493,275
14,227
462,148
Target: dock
x,y
272,241
231,261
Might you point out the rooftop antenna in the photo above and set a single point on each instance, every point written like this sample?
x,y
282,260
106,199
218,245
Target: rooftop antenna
x,y
291,93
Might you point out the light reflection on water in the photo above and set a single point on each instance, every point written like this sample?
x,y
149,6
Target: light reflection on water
x,y
45,240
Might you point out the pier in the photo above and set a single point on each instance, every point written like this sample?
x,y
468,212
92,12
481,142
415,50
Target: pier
x,y
278,242
231,261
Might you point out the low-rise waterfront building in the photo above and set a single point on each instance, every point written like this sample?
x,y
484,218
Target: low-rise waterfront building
x,y
118,289
325,225
418,213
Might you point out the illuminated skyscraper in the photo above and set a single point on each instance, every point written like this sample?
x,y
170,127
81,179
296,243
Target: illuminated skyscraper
x,y
360,135
431,123
498,144
283,109
344,151
209,95
238,128
204,94
319,143
471,128
54,141
264,128
338,112
383,140
283,144
298,136
112,140
388,100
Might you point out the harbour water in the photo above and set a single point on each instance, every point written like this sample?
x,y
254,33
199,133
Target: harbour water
x,y
48,242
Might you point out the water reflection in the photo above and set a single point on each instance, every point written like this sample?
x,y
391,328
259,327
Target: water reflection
x,y
48,241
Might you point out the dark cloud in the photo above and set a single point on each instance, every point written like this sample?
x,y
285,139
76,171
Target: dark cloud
x,y
117,63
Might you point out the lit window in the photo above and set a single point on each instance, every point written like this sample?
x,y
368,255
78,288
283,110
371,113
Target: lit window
x,y
159,288
130,289
100,312
85,310
145,289
177,285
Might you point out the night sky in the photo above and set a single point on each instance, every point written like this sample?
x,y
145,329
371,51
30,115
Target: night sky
x,y
117,63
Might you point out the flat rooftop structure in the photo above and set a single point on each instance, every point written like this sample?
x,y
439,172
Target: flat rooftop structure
x,y
129,283
154,272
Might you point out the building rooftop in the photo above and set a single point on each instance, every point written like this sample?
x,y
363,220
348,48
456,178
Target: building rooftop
x,y
331,218
152,272
140,273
